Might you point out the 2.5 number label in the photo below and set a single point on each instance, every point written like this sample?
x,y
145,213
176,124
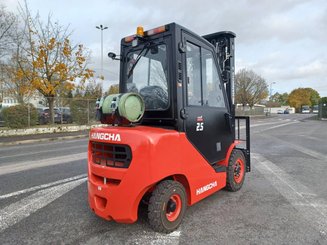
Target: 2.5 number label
x,y
199,126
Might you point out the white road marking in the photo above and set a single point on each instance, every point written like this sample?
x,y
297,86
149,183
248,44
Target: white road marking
x,y
312,138
264,124
261,124
313,209
304,150
13,168
17,211
155,238
277,126
258,125
45,151
35,188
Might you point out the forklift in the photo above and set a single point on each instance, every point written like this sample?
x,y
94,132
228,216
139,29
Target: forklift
x,y
171,137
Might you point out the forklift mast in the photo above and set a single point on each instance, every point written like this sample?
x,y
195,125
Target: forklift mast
x,y
225,50
223,43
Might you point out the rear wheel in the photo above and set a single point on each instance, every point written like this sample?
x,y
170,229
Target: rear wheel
x,y
236,171
167,206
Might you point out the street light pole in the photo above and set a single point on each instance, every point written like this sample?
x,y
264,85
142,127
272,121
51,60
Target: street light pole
x,y
101,28
270,90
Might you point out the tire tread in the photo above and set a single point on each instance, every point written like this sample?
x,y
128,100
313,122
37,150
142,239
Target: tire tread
x,y
155,202
230,184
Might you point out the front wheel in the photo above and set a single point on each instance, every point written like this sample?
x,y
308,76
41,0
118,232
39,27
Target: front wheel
x,y
167,206
236,171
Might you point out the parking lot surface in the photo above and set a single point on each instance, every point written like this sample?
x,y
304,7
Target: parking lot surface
x,y
43,194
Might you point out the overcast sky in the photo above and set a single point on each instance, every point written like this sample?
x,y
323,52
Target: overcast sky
x,y
284,41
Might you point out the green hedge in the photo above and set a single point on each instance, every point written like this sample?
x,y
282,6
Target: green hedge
x,y
17,116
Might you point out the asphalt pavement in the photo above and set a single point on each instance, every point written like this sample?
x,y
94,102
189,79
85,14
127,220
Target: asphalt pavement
x,y
43,194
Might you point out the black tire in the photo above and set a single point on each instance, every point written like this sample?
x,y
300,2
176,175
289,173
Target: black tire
x,y
236,170
162,215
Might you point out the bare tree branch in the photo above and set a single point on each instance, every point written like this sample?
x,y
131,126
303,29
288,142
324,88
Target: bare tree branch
x,y
250,88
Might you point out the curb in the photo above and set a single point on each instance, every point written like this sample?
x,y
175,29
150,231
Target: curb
x,y
59,129
22,142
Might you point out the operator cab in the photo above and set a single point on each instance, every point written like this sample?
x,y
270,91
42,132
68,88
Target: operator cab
x,y
179,77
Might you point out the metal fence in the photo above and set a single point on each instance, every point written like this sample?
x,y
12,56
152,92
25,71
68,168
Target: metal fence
x,y
250,111
322,111
78,111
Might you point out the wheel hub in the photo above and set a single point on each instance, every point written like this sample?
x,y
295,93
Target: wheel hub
x,y
171,206
174,207
237,170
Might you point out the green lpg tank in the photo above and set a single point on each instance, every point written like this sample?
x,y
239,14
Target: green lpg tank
x,y
128,105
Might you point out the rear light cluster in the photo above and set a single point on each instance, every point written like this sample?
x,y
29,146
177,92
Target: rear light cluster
x,y
148,33
111,155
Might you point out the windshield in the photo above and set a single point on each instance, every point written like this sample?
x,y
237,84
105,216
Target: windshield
x,y
146,73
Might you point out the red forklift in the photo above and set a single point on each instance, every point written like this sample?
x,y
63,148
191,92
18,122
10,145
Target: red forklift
x,y
171,137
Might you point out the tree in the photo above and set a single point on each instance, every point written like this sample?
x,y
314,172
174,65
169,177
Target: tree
x,y
280,98
7,21
113,89
83,105
303,96
18,86
93,90
314,96
250,88
51,63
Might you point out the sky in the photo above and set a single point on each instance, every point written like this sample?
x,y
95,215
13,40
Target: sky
x,y
284,41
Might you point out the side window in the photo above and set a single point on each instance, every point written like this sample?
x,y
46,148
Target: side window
x,y
212,90
193,61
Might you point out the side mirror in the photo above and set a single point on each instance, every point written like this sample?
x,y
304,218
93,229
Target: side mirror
x,y
113,56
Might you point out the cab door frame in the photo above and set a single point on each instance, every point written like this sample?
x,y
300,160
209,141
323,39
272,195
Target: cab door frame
x,y
205,127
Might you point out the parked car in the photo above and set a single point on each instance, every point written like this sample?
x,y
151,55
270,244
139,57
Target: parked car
x,y
315,109
44,115
280,112
305,109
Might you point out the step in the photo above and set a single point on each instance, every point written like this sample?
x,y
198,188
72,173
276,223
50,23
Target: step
x,y
219,168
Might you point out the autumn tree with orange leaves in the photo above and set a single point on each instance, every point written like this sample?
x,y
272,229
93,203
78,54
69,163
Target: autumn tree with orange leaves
x,y
51,63
303,96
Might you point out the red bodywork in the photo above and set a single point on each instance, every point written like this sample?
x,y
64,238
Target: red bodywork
x,y
156,154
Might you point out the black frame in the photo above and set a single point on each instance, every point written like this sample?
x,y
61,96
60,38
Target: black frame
x,y
247,140
162,118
